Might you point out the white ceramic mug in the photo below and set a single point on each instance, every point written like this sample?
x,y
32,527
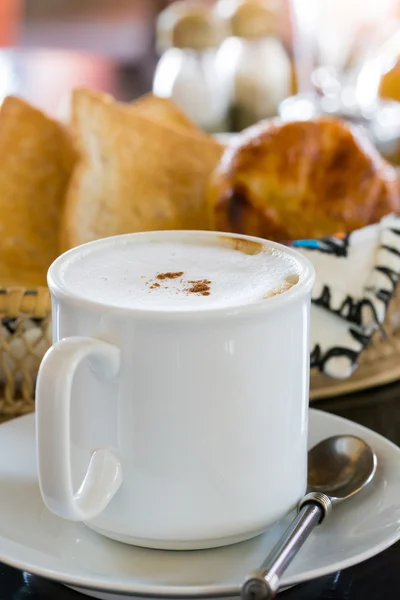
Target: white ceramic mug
x,y
175,430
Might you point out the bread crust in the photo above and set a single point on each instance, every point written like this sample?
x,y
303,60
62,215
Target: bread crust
x,y
135,173
37,158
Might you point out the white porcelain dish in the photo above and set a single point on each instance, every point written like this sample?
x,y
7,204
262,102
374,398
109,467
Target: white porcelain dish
x,y
33,539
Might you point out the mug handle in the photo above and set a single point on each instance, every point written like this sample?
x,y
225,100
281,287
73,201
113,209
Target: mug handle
x,y
53,405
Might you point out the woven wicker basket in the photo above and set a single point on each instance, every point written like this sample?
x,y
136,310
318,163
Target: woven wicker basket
x,y
25,335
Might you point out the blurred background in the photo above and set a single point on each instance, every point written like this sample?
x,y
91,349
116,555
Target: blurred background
x,y
227,63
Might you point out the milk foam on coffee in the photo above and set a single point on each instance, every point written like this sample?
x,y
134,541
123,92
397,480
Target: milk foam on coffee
x,y
178,275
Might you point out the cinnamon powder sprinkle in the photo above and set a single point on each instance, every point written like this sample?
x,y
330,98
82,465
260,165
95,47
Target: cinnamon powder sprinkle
x,y
196,286
170,275
199,286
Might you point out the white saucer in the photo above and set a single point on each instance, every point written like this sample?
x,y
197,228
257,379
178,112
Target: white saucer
x,y
34,540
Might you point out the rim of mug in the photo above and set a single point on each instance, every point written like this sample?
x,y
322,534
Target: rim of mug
x,y
304,285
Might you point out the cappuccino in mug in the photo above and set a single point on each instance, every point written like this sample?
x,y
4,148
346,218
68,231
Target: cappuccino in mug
x,y
172,408
190,273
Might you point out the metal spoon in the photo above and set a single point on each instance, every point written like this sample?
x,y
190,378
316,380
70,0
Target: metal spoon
x,y
338,468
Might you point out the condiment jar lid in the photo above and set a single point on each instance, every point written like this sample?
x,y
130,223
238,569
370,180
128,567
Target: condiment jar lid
x,y
189,25
250,19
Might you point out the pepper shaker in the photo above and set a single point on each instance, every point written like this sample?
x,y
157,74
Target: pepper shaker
x,y
260,71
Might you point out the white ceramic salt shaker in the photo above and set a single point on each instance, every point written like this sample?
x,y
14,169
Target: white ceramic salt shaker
x,y
189,34
259,67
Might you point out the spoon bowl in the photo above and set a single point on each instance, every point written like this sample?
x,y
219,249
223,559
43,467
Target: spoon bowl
x,y
340,466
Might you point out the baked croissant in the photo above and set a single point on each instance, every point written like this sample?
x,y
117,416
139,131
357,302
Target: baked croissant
x,y
296,180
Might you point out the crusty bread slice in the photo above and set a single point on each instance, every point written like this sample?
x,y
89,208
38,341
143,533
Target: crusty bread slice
x,y
135,174
37,159
159,109
165,111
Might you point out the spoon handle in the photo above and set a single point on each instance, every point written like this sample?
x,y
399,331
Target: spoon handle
x,y
263,584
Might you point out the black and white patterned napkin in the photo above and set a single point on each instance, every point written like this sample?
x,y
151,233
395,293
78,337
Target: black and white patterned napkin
x,y
356,277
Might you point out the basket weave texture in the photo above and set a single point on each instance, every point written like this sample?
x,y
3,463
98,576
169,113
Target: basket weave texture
x,y
25,335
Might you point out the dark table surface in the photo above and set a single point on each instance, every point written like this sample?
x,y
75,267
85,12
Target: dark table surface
x,y
44,77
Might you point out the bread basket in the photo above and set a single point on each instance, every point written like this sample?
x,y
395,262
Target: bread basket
x,y
25,335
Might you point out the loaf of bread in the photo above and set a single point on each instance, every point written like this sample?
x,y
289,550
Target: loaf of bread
x,y
37,159
301,180
135,173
